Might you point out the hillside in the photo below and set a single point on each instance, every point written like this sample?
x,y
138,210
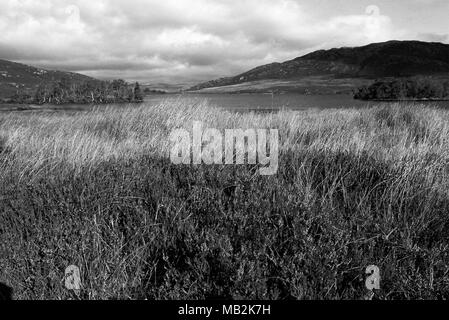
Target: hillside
x,y
378,60
15,76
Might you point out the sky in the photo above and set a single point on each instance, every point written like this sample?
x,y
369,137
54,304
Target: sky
x,y
180,41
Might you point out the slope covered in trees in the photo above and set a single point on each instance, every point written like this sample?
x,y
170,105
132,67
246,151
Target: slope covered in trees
x,y
20,83
16,76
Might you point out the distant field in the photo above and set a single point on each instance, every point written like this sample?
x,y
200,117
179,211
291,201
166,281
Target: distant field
x,y
96,189
305,85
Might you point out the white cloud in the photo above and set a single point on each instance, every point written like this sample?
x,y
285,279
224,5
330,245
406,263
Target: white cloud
x,y
172,39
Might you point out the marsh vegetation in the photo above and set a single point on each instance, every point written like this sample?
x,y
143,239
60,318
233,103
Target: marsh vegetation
x,y
96,189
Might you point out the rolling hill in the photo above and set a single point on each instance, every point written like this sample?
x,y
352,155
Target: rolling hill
x,y
15,76
350,66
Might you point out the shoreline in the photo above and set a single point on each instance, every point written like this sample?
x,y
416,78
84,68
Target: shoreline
x,y
23,107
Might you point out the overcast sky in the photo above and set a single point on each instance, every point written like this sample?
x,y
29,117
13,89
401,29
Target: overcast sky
x,y
179,40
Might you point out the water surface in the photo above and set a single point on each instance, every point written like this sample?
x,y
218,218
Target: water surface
x,y
237,102
267,102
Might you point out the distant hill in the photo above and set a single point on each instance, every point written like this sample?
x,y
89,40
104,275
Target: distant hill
x,y
378,60
16,76
167,87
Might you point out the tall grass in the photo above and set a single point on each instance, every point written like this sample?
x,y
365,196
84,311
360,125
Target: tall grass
x,y
355,187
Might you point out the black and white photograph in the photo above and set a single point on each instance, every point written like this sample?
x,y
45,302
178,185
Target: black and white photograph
x,y
244,151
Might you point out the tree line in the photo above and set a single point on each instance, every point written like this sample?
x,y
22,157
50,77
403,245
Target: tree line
x,y
66,91
404,89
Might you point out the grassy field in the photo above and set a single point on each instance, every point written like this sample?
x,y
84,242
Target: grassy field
x,y
96,189
309,85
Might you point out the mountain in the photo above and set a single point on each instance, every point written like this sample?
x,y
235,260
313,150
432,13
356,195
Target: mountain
x,y
377,60
15,76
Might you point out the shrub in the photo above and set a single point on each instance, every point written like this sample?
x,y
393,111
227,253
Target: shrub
x,y
407,88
